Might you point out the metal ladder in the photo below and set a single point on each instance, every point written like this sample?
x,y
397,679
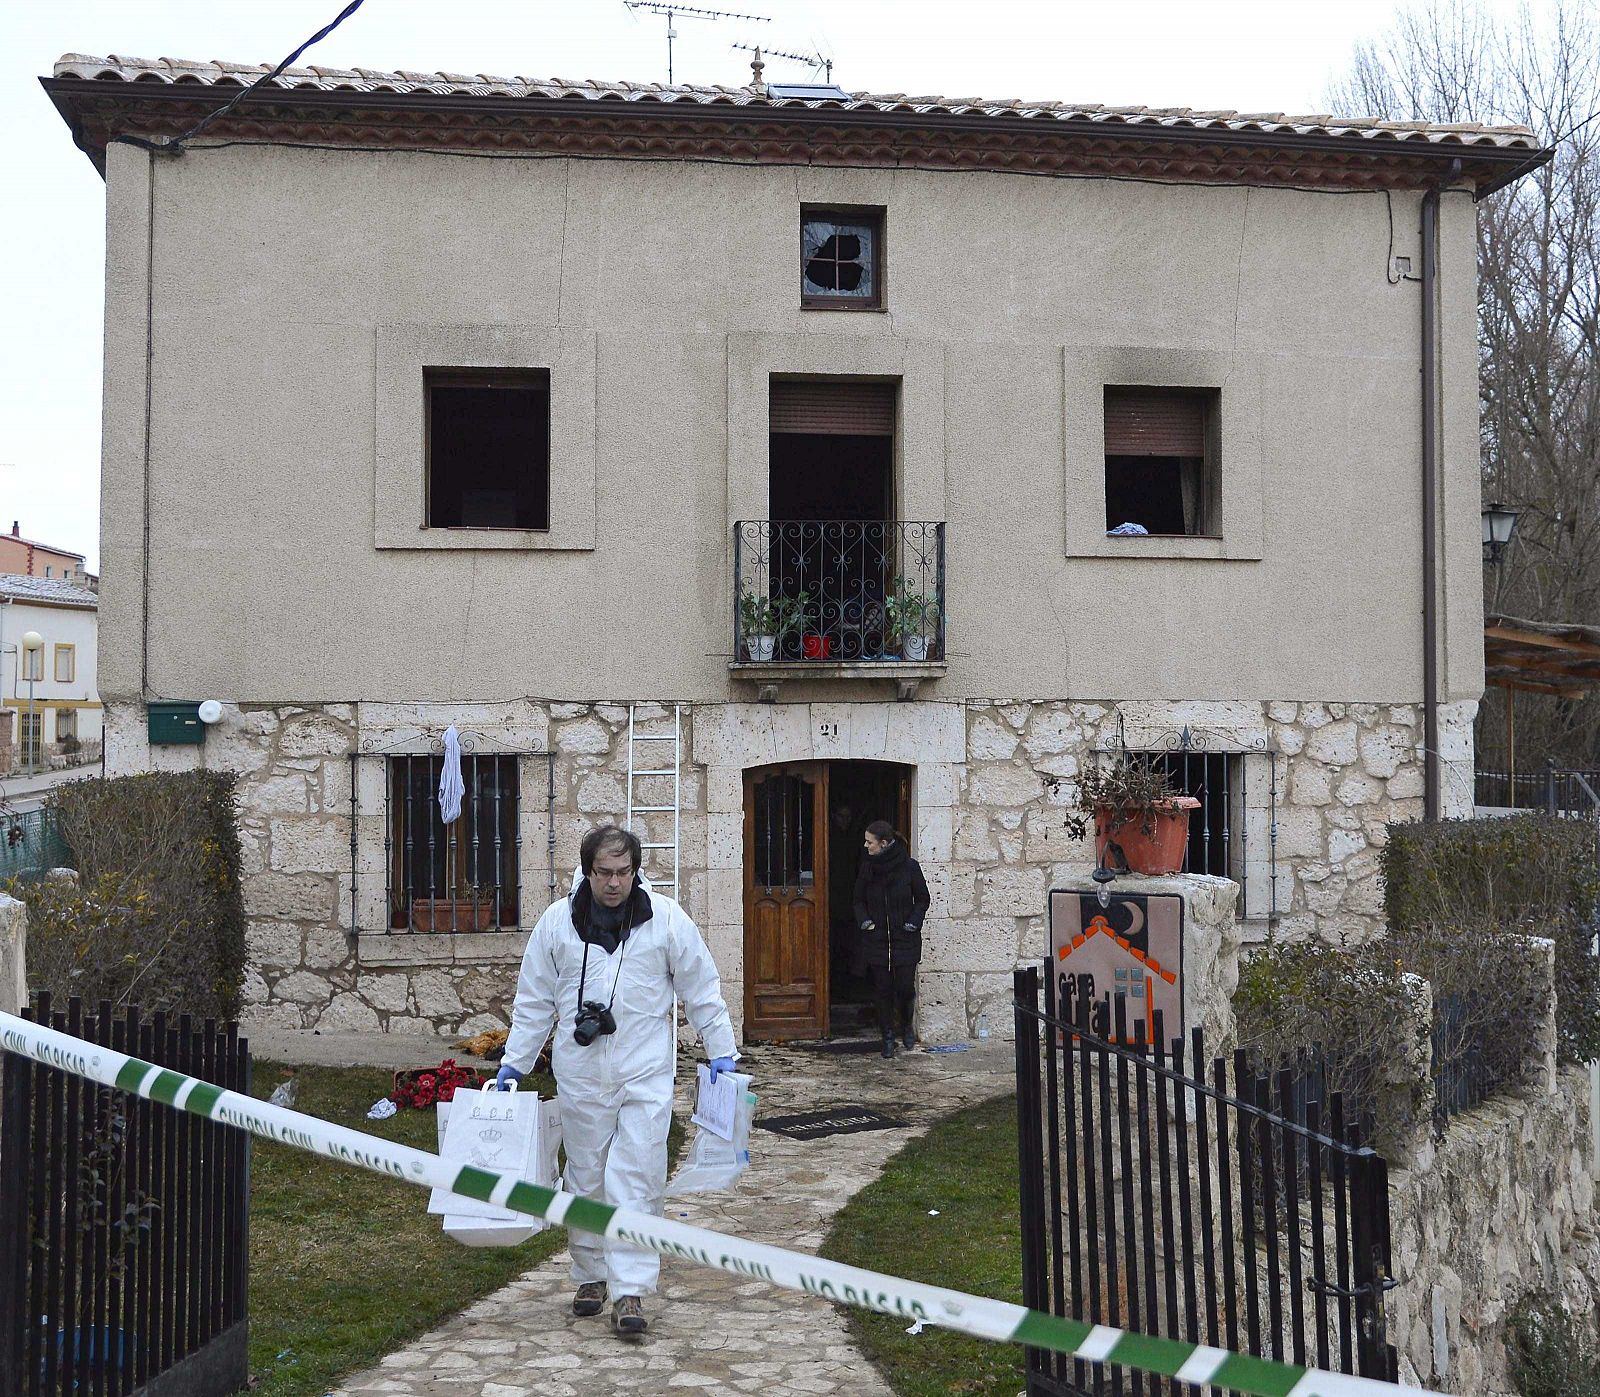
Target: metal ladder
x,y
638,772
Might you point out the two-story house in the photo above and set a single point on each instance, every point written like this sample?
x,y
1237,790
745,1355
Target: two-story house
x,y
49,705
754,462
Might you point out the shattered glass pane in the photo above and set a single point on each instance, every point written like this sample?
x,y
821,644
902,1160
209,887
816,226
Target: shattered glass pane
x,y
836,259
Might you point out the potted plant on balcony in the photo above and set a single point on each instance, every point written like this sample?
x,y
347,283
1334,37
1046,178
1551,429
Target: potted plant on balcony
x,y
1133,804
911,620
470,908
764,621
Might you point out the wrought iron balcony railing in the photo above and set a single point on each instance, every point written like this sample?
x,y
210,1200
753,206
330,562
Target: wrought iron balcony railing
x,y
841,590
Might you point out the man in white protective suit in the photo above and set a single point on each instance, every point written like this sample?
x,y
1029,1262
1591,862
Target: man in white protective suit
x,y
602,969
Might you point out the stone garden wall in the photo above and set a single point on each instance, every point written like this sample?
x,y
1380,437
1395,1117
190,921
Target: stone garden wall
x,y
993,784
1502,1203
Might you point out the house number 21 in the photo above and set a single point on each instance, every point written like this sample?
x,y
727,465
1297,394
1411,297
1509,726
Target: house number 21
x,y
827,729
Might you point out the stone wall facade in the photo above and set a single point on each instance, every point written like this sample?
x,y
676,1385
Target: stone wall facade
x,y
1500,1204
1313,786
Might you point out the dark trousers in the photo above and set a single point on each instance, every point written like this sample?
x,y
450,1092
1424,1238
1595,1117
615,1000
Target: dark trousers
x,y
894,991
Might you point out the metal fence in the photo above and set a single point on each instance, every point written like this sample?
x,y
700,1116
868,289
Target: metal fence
x,y
843,590
123,1222
1554,789
1154,1199
31,844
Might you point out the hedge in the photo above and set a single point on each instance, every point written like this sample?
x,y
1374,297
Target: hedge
x,y
156,916
1531,875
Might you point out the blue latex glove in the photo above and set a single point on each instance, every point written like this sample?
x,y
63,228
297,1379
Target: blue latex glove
x,y
504,1078
719,1065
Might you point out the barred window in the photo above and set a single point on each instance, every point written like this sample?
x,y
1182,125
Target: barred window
x,y
464,876
1215,829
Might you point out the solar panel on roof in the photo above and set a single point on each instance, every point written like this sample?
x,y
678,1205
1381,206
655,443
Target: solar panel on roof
x,y
808,91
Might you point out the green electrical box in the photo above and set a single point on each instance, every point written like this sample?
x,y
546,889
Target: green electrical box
x,y
173,722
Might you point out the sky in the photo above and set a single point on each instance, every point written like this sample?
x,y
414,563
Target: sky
x,y
1249,55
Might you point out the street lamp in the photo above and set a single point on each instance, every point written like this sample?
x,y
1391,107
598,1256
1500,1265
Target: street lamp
x,y
1499,523
32,643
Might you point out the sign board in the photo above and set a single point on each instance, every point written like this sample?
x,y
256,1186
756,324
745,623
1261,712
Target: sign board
x,y
1131,949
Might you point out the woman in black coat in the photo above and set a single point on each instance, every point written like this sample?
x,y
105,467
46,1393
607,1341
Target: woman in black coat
x,y
891,901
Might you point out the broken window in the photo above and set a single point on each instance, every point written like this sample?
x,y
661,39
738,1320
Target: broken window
x,y
840,258
488,435
1160,460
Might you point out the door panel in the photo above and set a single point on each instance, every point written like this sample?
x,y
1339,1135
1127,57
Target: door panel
x,y
785,894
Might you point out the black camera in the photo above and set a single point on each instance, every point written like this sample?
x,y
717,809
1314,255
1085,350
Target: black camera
x,y
594,1020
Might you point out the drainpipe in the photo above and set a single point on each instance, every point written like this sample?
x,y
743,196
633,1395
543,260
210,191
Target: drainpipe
x,y
1430,498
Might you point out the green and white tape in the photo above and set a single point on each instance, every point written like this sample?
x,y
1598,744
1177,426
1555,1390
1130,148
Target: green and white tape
x,y
846,1285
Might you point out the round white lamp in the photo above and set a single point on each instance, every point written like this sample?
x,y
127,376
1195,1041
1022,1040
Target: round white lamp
x,y
32,640
210,712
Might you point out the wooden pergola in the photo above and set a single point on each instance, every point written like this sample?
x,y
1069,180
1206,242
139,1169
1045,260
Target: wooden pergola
x,y
1538,657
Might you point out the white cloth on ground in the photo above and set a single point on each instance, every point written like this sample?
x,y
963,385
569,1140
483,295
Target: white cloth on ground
x,y
451,786
616,1093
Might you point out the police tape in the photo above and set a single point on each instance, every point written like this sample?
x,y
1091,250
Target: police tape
x,y
831,1280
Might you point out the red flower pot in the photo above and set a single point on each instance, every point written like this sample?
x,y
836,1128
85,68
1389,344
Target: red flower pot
x,y
816,647
1160,851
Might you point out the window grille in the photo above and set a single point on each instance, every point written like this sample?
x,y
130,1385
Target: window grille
x,y
464,876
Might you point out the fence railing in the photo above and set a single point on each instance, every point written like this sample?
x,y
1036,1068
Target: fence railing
x,y
31,844
123,1222
1553,789
842,590
1155,1199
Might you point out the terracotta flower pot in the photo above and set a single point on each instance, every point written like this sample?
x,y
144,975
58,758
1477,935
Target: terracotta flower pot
x,y
451,914
1162,850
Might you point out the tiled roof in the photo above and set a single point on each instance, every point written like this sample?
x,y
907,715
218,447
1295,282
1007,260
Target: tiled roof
x,y
46,589
118,68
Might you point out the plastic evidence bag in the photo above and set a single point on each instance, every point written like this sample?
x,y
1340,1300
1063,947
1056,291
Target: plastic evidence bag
x,y
710,1162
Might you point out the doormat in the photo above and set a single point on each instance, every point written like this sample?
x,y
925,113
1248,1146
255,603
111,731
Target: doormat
x,y
840,1120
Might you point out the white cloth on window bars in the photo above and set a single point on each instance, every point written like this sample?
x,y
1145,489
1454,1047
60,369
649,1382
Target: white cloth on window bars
x,y
451,786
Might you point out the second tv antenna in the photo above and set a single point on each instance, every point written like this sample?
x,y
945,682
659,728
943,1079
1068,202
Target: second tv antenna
x,y
662,7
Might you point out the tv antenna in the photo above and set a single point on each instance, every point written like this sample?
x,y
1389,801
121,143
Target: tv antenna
x,y
662,7
811,60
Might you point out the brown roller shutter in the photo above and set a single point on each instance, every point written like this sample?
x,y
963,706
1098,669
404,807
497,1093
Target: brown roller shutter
x,y
840,407
1155,422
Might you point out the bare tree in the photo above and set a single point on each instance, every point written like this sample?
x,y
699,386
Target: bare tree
x,y
1539,309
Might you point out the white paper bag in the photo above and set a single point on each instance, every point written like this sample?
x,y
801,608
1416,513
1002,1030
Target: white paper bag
x,y
713,1163
490,1129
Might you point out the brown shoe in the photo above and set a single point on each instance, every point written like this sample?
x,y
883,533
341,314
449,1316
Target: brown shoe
x,y
590,1299
627,1317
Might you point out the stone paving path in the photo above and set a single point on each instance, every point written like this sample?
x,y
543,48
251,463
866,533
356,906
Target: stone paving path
x,y
712,1332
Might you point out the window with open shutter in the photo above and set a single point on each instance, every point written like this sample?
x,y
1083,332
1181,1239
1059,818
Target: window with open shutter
x,y
1160,467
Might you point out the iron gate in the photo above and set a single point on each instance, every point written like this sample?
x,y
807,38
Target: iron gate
x,y
1156,1200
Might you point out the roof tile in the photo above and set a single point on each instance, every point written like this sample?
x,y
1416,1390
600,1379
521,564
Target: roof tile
x,y
130,69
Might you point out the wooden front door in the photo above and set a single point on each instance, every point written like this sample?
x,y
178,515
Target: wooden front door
x,y
786,902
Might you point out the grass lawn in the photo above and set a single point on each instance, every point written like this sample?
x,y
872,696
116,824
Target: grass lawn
x,y
346,1265
966,1167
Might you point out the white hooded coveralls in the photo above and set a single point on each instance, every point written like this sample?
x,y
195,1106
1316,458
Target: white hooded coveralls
x,y
616,1094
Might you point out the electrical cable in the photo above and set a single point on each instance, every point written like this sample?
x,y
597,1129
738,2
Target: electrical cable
x,y
176,145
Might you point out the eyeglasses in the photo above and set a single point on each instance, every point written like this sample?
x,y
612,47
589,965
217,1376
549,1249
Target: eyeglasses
x,y
612,875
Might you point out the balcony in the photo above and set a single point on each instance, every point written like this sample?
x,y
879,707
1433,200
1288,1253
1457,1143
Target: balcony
x,y
838,599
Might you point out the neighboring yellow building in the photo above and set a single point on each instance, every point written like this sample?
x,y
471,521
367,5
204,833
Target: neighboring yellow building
x,y
49,702
25,557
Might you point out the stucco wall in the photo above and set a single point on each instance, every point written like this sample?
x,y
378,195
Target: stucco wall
x,y
277,274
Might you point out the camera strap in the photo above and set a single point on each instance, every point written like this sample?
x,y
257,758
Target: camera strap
x,y
583,974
